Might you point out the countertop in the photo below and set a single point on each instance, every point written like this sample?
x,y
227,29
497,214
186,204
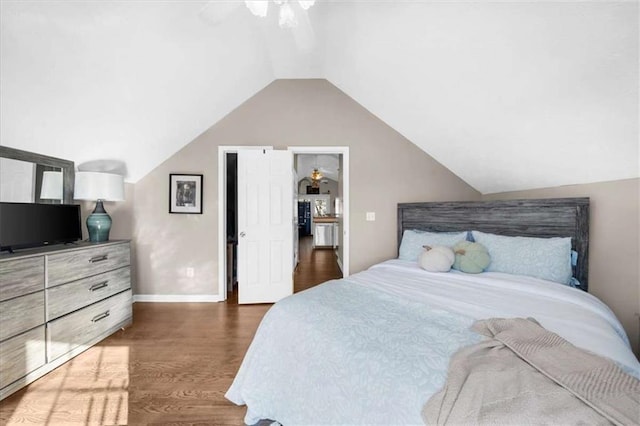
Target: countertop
x,y
325,219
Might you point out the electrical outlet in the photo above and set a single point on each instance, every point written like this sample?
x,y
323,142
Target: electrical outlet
x,y
190,272
371,216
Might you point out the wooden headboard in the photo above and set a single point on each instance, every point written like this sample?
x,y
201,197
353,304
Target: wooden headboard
x,y
553,217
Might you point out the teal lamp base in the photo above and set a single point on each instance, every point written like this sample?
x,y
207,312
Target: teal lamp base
x,y
99,224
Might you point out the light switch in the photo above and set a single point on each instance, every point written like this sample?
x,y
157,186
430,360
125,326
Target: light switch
x,y
190,272
371,216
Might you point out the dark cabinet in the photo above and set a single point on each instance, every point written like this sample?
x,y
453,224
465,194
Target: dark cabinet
x,y
304,218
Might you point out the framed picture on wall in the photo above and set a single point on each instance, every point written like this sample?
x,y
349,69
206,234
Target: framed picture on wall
x,y
185,193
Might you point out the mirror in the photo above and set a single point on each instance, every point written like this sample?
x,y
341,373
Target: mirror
x,y
29,177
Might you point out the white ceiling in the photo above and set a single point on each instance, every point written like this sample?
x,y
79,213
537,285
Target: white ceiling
x,y
508,95
327,164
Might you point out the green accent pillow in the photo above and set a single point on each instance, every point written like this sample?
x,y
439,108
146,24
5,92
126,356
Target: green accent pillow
x,y
471,258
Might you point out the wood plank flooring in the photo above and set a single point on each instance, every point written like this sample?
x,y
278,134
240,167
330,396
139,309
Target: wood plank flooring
x,y
171,367
315,266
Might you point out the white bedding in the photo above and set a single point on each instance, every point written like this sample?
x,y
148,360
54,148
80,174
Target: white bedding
x,y
576,315
372,348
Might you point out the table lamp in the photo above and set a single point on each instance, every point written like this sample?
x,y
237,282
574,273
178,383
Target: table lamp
x,y
99,187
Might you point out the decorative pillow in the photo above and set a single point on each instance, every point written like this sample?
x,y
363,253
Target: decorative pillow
x,y
545,258
413,241
471,258
436,259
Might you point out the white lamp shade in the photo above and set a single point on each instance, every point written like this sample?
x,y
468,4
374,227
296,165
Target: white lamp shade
x,y
51,186
98,186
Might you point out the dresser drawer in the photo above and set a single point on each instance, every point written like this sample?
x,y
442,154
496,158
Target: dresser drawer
x,y
72,296
21,355
21,276
21,314
83,326
76,264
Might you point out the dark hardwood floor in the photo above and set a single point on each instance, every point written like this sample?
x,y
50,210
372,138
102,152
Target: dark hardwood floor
x,y
314,266
171,367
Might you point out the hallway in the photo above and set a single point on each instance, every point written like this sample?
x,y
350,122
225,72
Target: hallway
x,y
315,266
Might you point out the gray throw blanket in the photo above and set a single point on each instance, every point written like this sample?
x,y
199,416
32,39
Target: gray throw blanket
x,y
525,374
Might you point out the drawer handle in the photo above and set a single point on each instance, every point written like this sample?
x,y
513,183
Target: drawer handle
x,y
98,258
98,286
100,317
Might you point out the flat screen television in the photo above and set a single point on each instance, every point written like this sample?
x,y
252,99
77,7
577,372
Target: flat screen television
x,y
26,225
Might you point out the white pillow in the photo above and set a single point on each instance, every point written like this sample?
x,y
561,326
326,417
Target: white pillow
x,y
413,240
437,259
545,258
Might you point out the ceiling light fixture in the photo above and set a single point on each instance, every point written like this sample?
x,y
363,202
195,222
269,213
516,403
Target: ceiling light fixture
x,y
316,175
286,18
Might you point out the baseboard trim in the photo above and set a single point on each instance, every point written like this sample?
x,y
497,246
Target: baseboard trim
x,y
177,298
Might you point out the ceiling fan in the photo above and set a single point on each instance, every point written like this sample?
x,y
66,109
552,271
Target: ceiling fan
x,y
286,17
292,14
316,174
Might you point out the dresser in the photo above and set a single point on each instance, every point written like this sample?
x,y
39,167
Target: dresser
x,y
56,302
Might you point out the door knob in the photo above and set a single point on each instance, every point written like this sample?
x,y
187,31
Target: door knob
x,y
242,234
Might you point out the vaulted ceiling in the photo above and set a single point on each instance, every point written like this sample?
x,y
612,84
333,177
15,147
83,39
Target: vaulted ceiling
x,y
508,95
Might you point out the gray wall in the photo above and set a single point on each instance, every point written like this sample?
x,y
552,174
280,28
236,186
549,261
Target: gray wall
x,y
314,112
614,235
385,169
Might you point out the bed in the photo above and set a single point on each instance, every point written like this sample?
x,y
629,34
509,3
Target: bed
x,y
374,347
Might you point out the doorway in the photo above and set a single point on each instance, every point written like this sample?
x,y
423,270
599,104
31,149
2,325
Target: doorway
x,y
320,200
339,202
228,224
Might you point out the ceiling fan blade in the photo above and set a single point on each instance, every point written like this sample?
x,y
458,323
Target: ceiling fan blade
x,y
303,34
215,12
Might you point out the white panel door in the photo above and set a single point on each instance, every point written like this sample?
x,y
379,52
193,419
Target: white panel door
x,y
265,231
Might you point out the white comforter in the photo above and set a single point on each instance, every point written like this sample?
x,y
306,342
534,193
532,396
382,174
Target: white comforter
x,y
372,348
